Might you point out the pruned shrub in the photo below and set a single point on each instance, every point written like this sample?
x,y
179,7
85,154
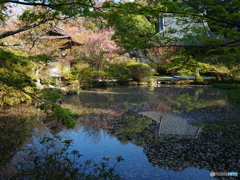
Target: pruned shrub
x,y
139,70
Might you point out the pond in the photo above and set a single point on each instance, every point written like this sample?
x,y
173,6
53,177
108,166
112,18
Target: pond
x,y
157,130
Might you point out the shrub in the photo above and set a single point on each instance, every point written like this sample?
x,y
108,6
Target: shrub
x,y
200,80
161,70
118,71
139,70
150,81
236,78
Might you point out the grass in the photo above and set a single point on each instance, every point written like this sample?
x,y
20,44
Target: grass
x,y
161,77
158,77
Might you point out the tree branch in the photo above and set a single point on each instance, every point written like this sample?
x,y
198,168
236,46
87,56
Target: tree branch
x,y
25,28
230,44
45,4
212,18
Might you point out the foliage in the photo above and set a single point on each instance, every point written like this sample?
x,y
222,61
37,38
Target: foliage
x,y
83,76
48,80
11,96
214,44
139,70
64,115
132,32
41,58
161,70
93,55
119,72
133,29
49,103
15,69
150,81
187,65
200,80
15,77
58,162
17,86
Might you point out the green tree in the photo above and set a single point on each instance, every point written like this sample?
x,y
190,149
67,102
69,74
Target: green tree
x,y
118,71
132,31
188,66
16,70
15,78
219,40
217,43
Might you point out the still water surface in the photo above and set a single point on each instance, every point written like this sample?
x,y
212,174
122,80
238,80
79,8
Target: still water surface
x,y
157,130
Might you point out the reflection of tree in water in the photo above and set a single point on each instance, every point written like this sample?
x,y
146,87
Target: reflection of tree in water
x,y
129,127
187,102
180,100
93,123
103,98
180,152
15,128
93,132
159,110
167,151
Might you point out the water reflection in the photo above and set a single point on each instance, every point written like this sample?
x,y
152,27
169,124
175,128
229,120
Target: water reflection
x,y
15,127
156,131
163,122
177,153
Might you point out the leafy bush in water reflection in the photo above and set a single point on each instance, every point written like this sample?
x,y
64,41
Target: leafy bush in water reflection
x,y
131,122
58,163
226,86
233,90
